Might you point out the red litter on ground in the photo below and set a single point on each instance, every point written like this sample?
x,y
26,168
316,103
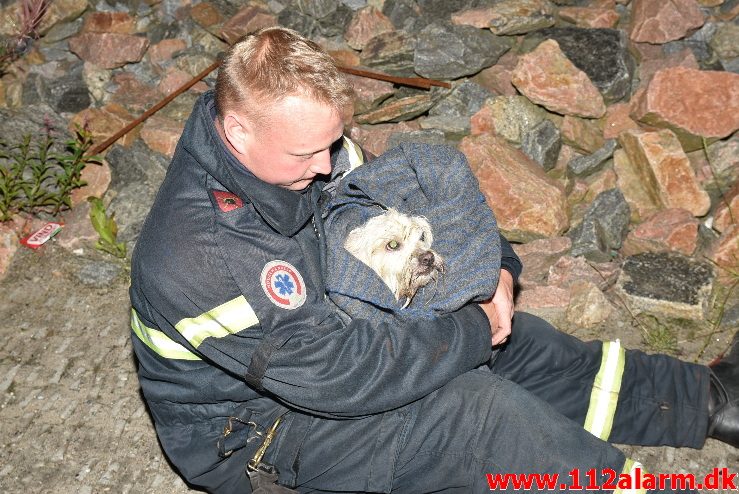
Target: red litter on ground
x,y
40,237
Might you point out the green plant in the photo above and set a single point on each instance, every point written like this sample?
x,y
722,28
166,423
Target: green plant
x,y
37,176
107,229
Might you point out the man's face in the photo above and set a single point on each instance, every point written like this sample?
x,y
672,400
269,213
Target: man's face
x,y
294,144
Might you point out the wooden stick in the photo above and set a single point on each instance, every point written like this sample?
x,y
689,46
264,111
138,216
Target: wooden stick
x,y
419,82
151,111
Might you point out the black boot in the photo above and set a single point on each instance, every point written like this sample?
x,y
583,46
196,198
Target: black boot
x,y
723,404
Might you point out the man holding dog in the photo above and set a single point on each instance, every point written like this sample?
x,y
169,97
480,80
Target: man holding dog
x,y
249,373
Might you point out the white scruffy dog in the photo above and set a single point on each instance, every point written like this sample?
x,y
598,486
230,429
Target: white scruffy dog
x,y
397,247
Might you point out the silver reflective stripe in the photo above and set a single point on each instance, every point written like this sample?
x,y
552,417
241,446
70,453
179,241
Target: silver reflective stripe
x,y
630,469
355,153
607,385
229,318
158,341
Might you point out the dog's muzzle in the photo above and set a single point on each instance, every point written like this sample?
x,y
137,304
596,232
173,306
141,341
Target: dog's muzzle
x,y
426,262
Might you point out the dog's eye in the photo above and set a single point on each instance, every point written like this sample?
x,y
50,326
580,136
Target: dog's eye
x,y
393,245
423,237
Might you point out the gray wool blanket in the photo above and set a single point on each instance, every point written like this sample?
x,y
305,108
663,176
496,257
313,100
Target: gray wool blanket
x,y
418,179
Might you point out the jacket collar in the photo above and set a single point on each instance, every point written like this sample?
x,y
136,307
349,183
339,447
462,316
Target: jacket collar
x,y
284,210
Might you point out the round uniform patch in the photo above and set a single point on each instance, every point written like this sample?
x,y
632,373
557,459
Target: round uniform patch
x,y
283,284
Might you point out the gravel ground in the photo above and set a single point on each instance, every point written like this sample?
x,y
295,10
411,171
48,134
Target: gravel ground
x,y
71,415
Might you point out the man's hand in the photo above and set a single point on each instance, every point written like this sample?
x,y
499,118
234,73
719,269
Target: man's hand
x,y
499,309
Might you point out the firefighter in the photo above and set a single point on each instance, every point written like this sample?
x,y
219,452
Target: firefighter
x,y
253,380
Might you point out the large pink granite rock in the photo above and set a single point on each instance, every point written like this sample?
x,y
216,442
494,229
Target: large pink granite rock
x,y
727,212
367,23
109,22
641,194
97,179
617,120
538,256
590,17
673,229
249,19
162,134
726,254
660,21
692,103
665,170
109,50
527,203
547,77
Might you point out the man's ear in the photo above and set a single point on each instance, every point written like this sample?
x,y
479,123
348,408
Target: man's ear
x,y
237,130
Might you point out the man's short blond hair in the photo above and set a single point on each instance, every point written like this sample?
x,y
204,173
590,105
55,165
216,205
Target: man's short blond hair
x,y
265,67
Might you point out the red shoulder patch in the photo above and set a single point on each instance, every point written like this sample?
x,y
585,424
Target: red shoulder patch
x,y
227,201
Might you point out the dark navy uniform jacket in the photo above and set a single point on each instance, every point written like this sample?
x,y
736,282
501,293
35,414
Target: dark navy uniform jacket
x,y
229,312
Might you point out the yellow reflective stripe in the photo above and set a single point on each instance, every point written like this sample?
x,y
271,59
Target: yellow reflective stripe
x,y
229,318
629,469
604,396
158,341
355,153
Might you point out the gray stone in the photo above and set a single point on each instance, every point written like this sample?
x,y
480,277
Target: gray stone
x,y
730,317
542,144
136,164
32,120
612,212
452,114
698,43
731,65
725,41
446,51
603,228
441,10
513,116
430,136
405,15
311,17
136,173
588,240
666,283
582,166
391,52
335,24
456,127
145,72
179,30
601,53
68,93
304,24
463,101
397,110
317,9
723,157
98,273
277,6
57,52
61,31
354,4
514,17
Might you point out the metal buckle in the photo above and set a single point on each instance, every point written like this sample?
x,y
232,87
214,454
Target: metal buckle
x,y
229,428
256,461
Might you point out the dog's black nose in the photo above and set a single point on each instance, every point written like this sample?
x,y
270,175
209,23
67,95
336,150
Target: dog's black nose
x,y
426,259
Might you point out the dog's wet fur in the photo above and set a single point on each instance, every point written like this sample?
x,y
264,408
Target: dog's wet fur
x,y
397,247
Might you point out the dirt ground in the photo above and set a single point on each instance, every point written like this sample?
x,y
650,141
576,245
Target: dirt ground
x,y
72,419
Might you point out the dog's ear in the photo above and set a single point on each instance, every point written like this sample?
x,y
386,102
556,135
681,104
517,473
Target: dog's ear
x,y
353,242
